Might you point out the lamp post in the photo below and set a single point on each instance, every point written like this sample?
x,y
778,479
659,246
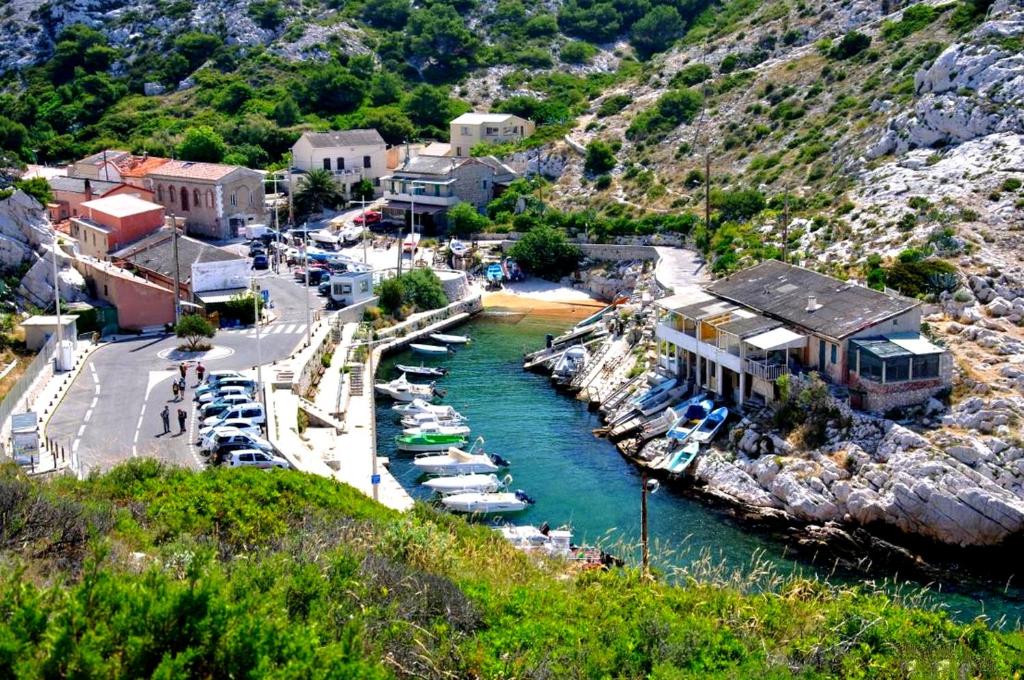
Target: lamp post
x,y
257,316
56,298
305,264
177,283
646,486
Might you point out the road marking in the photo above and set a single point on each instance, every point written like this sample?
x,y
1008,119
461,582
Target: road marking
x,y
88,415
95,400
81,430
74,445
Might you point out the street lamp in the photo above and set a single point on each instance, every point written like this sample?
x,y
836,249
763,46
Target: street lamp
x,y
256,315
412,221
305,263
646,486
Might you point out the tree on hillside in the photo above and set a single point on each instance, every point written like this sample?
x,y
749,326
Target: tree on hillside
x,y
196,47
657,30
391,14
286,112
38,188
600,157
852,44
194,329
317,191
546,252
386,88
463,220
333,89
393,125
428,106
439,38
202,144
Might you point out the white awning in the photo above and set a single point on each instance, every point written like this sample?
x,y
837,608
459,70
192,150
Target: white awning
x,y
777,338
914,343
222,295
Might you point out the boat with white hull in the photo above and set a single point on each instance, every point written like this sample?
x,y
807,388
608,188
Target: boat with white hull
x,y
458,462
488,503
423,406
478,483
422,371
423,419
435,428
449,339
400,389
436,350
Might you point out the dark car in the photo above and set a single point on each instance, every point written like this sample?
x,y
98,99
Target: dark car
x,y
224,451
317,276
324,288
260,261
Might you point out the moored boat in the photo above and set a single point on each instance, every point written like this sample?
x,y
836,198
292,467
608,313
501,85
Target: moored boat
x,y
433,418
691,419
428,442
476,483
569,364
400,389
423,406
487,503
421,370
455,461
435,350
680,458
449,339
707,430
437,428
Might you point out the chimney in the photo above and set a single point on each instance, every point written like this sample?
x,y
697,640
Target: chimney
x,y
88,190
812,303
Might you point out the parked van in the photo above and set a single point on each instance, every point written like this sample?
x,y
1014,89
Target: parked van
x,y
252,412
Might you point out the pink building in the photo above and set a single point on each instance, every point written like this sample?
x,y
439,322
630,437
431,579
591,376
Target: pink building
x,y
112,222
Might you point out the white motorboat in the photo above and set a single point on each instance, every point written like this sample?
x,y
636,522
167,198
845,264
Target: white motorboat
x,y
569,364
458,462
421,370
447,486
419,406
486,503
707,430
458,248
654,394
430,349
400,389
437,428
432,418
449,339
556,542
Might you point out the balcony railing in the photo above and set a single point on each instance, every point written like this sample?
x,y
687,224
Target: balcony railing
x,y
769,372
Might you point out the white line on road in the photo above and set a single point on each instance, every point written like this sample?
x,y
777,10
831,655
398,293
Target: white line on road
x,y
74,445
88,415
81,430
95,400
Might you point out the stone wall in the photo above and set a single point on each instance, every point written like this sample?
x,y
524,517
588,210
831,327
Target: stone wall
x,y
607,251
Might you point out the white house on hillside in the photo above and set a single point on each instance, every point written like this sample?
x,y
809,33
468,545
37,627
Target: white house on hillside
x,y
350,155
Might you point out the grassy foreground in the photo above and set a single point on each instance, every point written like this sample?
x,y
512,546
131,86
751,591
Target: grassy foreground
x,y
156,572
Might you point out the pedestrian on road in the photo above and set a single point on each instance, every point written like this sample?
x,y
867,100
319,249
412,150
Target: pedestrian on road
x,y
184,369
181,387
165,416
174,389
181,420
200,372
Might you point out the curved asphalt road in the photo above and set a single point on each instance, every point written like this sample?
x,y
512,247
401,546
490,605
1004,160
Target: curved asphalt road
x,y
112,411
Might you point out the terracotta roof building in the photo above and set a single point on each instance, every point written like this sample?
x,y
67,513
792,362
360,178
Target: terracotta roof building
x,y
216,200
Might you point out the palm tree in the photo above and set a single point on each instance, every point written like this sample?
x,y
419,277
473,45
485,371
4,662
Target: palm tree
x,y
316,192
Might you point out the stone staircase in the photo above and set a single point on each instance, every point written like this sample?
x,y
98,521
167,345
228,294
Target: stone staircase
x,y
356,378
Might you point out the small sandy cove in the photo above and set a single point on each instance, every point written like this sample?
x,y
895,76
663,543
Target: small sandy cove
x,y
543,298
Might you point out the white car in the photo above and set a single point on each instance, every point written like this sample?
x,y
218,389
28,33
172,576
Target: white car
x,y
256,458
229,435
252,411
215,376
240,424
223,391
222,404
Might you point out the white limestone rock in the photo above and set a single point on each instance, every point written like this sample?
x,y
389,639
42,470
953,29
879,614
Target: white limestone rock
x,y
730,480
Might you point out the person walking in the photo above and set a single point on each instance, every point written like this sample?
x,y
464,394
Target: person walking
x,y
165,416
174,389
181,387
181,420
183,368
200,372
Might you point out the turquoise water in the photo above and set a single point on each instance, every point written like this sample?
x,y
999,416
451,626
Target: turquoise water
x,y
582,481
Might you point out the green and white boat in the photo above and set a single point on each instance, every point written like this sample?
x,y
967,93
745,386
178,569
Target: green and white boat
x,y
432,441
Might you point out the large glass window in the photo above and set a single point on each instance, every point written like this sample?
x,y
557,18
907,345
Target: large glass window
x,y
926,366
870,366
835,349
897,369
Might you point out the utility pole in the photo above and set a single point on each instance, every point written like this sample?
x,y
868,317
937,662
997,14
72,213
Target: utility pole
x,y
305,263
257,316
785,228
365,229
291,191
177,283
645,552
56,298
707,191
374,476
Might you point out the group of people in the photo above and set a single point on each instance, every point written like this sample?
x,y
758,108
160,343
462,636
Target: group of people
x,y
178,389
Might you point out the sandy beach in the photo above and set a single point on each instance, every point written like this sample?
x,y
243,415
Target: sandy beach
x,y
543,298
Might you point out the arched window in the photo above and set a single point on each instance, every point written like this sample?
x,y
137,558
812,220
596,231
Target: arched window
x,y
170,191
160,192
209,198
195,198
243,196
184,199
234,198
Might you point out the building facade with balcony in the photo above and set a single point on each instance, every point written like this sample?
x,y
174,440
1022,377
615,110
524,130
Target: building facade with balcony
x,y
349,155
431,185
471,129
743,332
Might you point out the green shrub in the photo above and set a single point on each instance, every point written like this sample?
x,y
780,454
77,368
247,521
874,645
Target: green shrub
x,y
1011,184
692,74
600,157
613,104
603,182
577,52
919,277
852,44
915,18
546,252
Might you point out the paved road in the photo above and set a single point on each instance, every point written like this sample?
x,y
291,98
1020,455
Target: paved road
x,y
680,269
112,411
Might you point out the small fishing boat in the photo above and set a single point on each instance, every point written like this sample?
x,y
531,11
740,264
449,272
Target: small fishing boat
x,y
485,503
654,394
707,430
423,406
432,418
423,371
449,339
692,418
429,442
400,389
478,483
430,349
528,538
437,428
458,248
512,270
494,275
569,364
680,458
455,461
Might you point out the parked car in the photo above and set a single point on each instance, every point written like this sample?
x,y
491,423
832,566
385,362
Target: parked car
x,y
324,289
256,247
213,377
315,273
372,217
230,435
223,391
256,458
252,411
222,404
240,424
260,261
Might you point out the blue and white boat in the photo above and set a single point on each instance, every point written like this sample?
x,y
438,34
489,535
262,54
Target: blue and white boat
x,y
494,273
681,458
653,394
707,430
691,420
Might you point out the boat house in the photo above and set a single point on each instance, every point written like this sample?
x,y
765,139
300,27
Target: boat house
x,y
741,333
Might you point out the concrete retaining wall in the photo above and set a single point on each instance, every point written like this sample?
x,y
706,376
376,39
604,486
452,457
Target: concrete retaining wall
x,y
609,251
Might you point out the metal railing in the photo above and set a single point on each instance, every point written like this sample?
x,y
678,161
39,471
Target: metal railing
x,y
39,364
764,371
